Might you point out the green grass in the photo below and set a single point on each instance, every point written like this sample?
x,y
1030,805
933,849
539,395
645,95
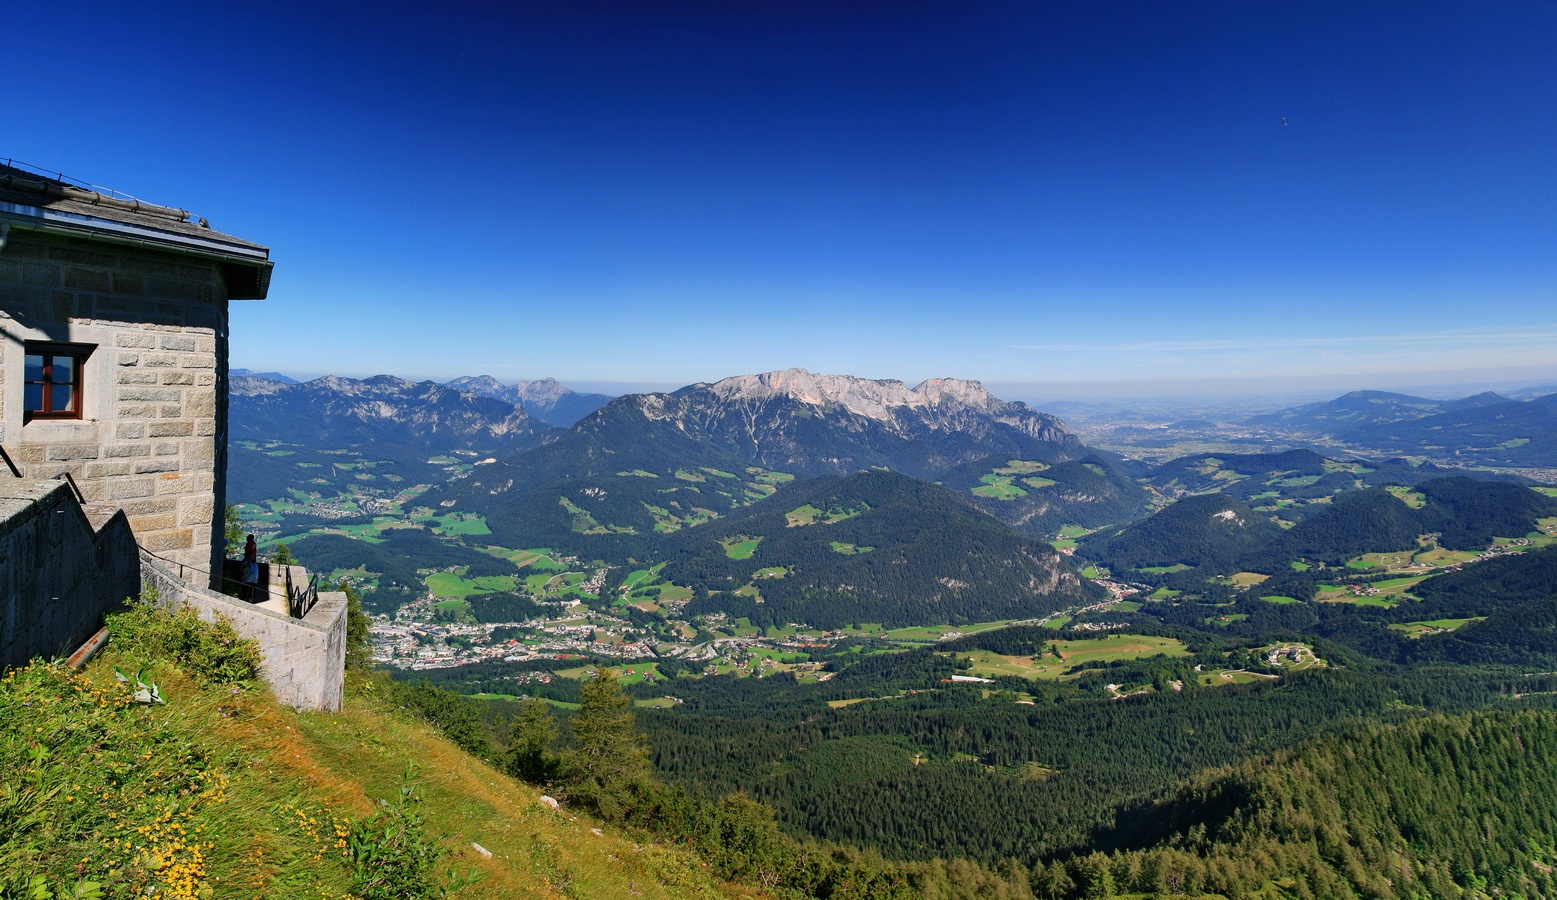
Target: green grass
x,y
740,548
1428,626
1161,570
988,664
459,607
849,549
935,632
1021,467
451,586
810,515
1279,599
1057,622
1217,677
462,524
237,797
998,487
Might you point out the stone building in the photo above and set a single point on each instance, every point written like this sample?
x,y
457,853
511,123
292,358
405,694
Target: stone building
x,y
113,431
113,349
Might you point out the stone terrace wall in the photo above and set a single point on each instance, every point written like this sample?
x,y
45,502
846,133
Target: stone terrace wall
x,y
61,569
305,660
153,433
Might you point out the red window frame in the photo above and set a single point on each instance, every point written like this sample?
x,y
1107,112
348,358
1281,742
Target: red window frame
x,y
45,357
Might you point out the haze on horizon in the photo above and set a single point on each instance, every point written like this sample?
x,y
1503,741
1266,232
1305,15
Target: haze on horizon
x,y
1091,200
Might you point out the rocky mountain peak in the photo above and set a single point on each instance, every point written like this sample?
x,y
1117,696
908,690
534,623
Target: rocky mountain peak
x,y
485,385
872,398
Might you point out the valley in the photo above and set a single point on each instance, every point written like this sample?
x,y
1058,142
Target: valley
x,y
814,597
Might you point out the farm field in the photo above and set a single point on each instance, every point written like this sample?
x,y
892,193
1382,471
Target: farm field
x,y
988,664
742,548
453,586
931,633
1216,677
810,515
1432,626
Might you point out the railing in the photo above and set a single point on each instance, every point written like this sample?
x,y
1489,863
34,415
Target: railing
x,y
301,600
8,464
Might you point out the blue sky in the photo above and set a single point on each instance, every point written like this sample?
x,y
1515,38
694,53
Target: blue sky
x,y
1059,199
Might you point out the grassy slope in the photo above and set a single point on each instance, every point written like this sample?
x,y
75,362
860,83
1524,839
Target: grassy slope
x,y
238,797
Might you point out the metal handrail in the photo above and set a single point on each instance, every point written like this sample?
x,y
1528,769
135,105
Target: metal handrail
x,y
8,464
300,601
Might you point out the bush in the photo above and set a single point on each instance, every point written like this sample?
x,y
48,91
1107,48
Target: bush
x,y
394,856
210,652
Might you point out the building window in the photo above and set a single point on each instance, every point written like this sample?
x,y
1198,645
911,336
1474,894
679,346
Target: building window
x,y
52,381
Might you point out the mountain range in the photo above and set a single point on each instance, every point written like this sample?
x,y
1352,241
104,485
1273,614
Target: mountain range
x,y
546,398
1220,534
652,462
1484,428
282,434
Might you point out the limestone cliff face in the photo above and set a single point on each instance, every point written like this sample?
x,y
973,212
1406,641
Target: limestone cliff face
x,y
944,404
805,423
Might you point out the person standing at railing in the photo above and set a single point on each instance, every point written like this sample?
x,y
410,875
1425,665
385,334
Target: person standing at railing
x,y
249,573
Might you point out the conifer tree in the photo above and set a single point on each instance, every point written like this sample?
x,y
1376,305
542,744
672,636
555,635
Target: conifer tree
x,y
608,756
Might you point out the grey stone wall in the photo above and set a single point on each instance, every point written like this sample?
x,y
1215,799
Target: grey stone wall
x,y
152,437
61,568
305,660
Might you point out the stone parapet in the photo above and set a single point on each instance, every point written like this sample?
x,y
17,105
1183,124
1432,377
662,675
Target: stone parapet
x,y
304,659
62,567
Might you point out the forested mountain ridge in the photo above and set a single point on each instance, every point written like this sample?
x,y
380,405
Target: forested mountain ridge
x,y
1465,513
1487,427
872,546
1039,498
1442,806
1209,531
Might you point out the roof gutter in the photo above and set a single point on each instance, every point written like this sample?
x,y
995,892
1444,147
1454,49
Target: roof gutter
x,y
49,221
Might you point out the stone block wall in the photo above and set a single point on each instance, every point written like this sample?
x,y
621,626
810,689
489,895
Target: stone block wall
x,y
61,568
305,660
153,434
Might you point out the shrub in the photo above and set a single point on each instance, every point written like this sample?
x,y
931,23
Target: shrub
x,y
394,856
210,652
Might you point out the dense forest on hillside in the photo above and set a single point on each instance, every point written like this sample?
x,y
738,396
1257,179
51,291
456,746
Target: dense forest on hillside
x,y
1436,806
833,551
1218,534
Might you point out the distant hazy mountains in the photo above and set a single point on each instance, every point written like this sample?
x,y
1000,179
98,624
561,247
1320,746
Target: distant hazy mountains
x,y
1484,428
335,411
545,399
269,376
